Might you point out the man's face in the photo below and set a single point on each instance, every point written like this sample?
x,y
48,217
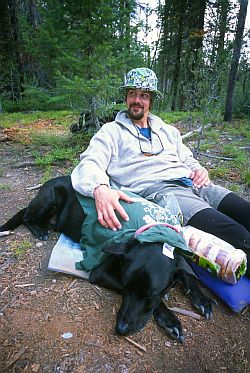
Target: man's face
x,y
138,103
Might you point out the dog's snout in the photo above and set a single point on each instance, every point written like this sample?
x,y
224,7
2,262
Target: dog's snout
x,y
122,328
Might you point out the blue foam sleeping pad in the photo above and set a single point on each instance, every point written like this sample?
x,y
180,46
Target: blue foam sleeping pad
x,y
236,296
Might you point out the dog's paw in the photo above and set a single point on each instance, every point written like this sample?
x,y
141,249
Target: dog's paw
x,y
203,303
39,232
169,322
175,333
42,236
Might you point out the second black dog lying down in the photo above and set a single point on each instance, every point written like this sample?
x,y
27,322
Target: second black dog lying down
x,y
55,208
143,275
140,272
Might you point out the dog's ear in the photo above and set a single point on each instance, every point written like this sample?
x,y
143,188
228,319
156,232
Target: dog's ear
x,y
120,248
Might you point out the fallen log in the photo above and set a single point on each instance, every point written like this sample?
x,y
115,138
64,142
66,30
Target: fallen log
x,y
5,233
196,131
33,187
215,156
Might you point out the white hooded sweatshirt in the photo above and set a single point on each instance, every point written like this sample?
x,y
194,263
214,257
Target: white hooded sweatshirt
x,y
114,157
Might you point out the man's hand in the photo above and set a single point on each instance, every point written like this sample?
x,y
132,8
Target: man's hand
x,y
200,177
107,202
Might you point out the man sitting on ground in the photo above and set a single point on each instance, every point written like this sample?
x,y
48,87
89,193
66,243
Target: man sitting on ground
x,y
140,153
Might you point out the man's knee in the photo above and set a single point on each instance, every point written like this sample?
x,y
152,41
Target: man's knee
x,y
212,194
236,208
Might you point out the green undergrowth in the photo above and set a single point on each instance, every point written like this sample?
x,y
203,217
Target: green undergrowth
x,y
229,141
19,248
176,116
63,118
5,187
49,148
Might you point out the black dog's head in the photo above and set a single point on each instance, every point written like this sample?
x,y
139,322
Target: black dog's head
x,y
145,273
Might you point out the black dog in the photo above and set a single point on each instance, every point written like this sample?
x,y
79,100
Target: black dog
x,y
140,272
55,208
143,275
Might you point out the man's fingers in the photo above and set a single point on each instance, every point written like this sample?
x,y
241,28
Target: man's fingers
x,y
121,212
112,220
202,181
101,219
108,219
200,177
192,175
109,208
125,197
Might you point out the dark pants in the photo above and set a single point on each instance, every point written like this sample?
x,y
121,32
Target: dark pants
x,y
230,222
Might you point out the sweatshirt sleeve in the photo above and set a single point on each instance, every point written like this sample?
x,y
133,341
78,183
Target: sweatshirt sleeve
x,y
94,161
185,155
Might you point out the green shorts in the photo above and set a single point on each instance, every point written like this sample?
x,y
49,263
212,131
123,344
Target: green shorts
x,y
190,199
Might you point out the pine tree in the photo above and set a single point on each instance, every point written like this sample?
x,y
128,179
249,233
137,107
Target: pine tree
x,y
235,60
11,65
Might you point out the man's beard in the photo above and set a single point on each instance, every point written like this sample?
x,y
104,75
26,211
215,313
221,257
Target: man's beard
x,y
135,116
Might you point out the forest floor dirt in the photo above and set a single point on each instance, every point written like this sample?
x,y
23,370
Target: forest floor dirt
x,y
37,308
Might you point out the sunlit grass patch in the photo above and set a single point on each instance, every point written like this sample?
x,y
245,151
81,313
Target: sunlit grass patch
x,y
219,172
246,176
19,248
52,148
236,188
239,128
54,155
175,116
205,146
5,187
62,117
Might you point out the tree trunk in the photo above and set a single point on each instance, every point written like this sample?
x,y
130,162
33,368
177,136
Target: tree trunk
x,y
196,34
164,51
176,75
32,14
11,51
223,9
235,60
93,109
221,55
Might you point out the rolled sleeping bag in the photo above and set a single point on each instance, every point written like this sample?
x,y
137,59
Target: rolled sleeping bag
x,y
217,256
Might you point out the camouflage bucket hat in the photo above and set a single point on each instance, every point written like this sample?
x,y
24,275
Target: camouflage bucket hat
x,y
141,78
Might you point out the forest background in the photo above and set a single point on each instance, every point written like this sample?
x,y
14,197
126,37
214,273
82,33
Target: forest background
x,y
60,54
60,58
